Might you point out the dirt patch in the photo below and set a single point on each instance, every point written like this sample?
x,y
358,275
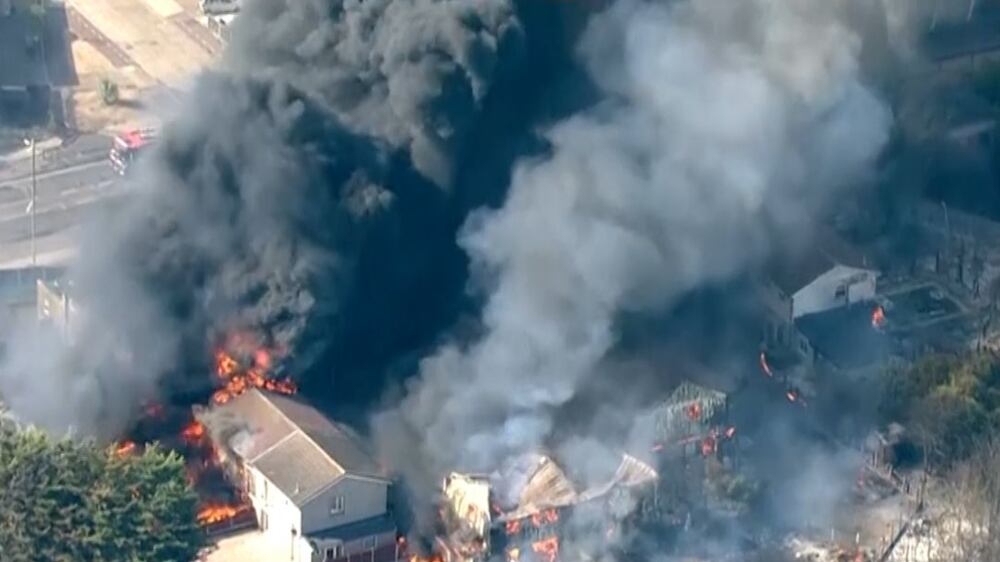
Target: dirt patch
x,y
92,114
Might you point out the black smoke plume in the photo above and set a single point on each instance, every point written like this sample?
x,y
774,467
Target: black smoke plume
x,y
308,194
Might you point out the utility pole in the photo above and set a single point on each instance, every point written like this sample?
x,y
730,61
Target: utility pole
x,y
34,191
31,204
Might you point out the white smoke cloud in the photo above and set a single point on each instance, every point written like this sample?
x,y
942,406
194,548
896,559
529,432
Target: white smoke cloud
x,y
723,124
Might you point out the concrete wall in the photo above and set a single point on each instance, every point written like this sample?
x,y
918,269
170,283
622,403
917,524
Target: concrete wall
x,y
363,498
838,287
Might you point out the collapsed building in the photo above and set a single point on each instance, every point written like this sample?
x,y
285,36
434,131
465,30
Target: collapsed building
x,y
531,509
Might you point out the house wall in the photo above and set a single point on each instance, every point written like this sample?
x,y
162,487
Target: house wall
x,y
838,287
777,327
277,516
363,498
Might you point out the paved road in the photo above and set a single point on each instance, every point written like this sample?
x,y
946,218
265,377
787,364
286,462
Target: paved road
x,y
69,187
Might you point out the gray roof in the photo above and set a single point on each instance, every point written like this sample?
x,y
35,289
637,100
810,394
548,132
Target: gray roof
x,y
294,445
48,63
357,530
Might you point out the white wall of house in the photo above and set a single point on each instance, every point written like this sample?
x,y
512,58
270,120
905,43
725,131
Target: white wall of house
x,y
838,287
350,499
277,516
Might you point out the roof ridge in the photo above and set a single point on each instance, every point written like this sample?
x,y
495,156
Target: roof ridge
x,y
299,429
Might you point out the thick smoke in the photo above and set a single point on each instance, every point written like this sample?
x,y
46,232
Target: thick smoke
x,y
723,126
279,204
411,72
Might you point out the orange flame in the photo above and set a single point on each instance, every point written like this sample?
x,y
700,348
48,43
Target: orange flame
x,y
764,365
193,433
214,513
126,448
550,516
709,446
237,380
694,411
878,317
513,527
547,548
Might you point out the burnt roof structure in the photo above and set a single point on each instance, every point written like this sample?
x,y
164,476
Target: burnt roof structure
x,y
294,445
689,408
533,483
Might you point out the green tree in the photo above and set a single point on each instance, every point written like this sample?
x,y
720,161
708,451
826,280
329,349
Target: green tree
x,y
950,401
66,501
109,91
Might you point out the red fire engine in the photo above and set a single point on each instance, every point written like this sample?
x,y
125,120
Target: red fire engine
x,y
126,147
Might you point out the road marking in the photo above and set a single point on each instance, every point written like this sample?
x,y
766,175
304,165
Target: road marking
x,y
102,163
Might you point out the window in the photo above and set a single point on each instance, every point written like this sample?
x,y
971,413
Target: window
x,y
334,552
841,292
337,506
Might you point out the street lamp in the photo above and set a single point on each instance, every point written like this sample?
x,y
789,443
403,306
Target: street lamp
x,y
31,205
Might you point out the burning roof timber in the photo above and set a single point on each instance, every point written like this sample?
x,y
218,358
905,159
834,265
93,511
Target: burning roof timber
x,y
689,405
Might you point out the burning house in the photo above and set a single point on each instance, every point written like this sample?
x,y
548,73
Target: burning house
x,y
691,422
531,510
309,480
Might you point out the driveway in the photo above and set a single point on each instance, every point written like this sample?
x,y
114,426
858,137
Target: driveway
x,y
251,546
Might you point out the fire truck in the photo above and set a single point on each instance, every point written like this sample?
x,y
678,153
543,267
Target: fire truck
x,y
126,147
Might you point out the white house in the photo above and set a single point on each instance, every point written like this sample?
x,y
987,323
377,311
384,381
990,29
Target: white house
x,y
310,480
826,275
